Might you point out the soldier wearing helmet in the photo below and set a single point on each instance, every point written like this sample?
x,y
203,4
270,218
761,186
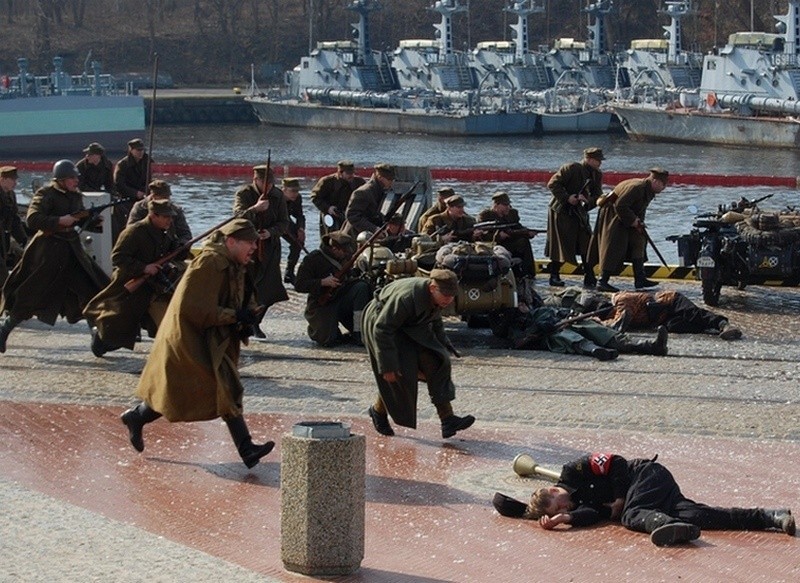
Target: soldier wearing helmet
x,y
55,276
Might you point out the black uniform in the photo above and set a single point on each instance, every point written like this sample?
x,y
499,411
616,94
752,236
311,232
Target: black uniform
x,y
130,176
96,177
652,497
297,221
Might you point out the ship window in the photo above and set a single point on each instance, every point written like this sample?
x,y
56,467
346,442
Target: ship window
x,y
758,81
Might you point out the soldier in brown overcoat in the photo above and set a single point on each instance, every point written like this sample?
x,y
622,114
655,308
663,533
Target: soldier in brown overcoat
x,y
191,373
132,174
331,194
620,233
454,224
10,223
119,315
270,216
405,339
55,276
364,209
575,188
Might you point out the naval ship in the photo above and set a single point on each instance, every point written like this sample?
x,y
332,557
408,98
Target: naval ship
x,y
748,95
425,86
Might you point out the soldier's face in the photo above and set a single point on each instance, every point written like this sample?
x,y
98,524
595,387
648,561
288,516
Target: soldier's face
x,y
560,501
93,159
137,153
440,300
69,184
456,211
7,184
291,193
241,250
161,222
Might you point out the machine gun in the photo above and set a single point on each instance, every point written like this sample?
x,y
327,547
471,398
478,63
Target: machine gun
x,y
513,229
742,204
88,216
328,292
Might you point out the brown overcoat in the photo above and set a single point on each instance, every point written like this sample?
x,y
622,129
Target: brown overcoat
x,y
460,227
191,373
331,190
363,211
55,276
119,314
265,269
568,228
400,323
617,240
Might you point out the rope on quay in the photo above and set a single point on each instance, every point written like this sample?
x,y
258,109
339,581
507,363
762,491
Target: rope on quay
x,y
458,174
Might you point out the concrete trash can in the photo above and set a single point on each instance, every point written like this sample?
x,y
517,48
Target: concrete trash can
x,y
323,469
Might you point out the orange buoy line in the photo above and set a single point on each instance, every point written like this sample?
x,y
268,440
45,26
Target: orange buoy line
x,y
443,174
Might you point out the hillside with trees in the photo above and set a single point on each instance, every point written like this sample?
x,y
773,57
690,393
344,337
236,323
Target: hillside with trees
x,y
214,42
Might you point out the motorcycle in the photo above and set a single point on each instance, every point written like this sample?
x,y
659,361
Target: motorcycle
x,y
739,245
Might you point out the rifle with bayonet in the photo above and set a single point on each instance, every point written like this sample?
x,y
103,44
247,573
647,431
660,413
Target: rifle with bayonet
x,y
513,229
342,272
561,325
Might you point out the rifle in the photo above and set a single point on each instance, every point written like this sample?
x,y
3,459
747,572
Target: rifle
x,y
492,226
566,322
152,120
135,283
328,292
292,240
264,197
743,203
653,245
86,216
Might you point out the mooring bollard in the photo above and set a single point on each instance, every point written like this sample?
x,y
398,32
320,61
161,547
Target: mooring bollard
x,y
322,499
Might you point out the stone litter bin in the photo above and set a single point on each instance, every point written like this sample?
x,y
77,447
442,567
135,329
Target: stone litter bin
x,y
323,470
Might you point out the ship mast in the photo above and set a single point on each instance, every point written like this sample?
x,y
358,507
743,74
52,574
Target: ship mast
x,y
674,32
597,31
522,10
361,29
791,28
444,30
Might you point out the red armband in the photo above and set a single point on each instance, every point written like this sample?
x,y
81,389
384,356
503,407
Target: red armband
x,y
600,463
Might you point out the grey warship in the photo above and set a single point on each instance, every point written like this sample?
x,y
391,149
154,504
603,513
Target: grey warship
x,y
748,95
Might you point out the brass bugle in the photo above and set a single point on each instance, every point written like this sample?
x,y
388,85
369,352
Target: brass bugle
x,y
525,466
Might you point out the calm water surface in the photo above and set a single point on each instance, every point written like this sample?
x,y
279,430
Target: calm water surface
x,y
206,201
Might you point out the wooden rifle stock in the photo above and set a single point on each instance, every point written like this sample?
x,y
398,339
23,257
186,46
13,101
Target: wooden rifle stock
x,y
136,282
565,323
328,292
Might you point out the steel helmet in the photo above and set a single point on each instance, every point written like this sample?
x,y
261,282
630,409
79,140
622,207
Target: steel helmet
x,y
65,169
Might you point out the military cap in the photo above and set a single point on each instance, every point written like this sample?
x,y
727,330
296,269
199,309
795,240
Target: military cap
x,y
8,172
291,183
501,198
160,188
595,153
161,207
508,506
346,165
455,200
261,169
396,219
338,238
240,229
445,280
385,170
445,192
659,174
95,148
136,144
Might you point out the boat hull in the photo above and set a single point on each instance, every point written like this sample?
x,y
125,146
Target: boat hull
x,y
590,122
64,125
692,126
310,115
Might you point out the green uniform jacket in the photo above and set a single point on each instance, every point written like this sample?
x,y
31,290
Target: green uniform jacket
x,y
568,228
191,373
265,269
396,326
364,209
617,241
435,209
55,275
118,314
518,245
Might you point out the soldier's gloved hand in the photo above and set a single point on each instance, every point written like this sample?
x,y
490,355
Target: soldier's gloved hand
x,y
245,317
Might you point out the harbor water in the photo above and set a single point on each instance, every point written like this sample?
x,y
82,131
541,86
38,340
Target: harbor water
x,y
207,201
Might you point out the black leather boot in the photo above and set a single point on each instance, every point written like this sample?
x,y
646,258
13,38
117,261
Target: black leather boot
x,y
657,347
589,348
555,274
249,451
665,530
453,424
135,419
8,325
603,284
640,280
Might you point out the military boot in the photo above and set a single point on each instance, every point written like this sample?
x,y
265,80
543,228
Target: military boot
x,y
657,347
135,419
453,424
555,275
589,348
603,284
640,280
666,531
249,451
728,332
8,325
781,519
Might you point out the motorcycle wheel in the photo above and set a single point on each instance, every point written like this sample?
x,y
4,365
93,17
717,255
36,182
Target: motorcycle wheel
x,y
711,287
